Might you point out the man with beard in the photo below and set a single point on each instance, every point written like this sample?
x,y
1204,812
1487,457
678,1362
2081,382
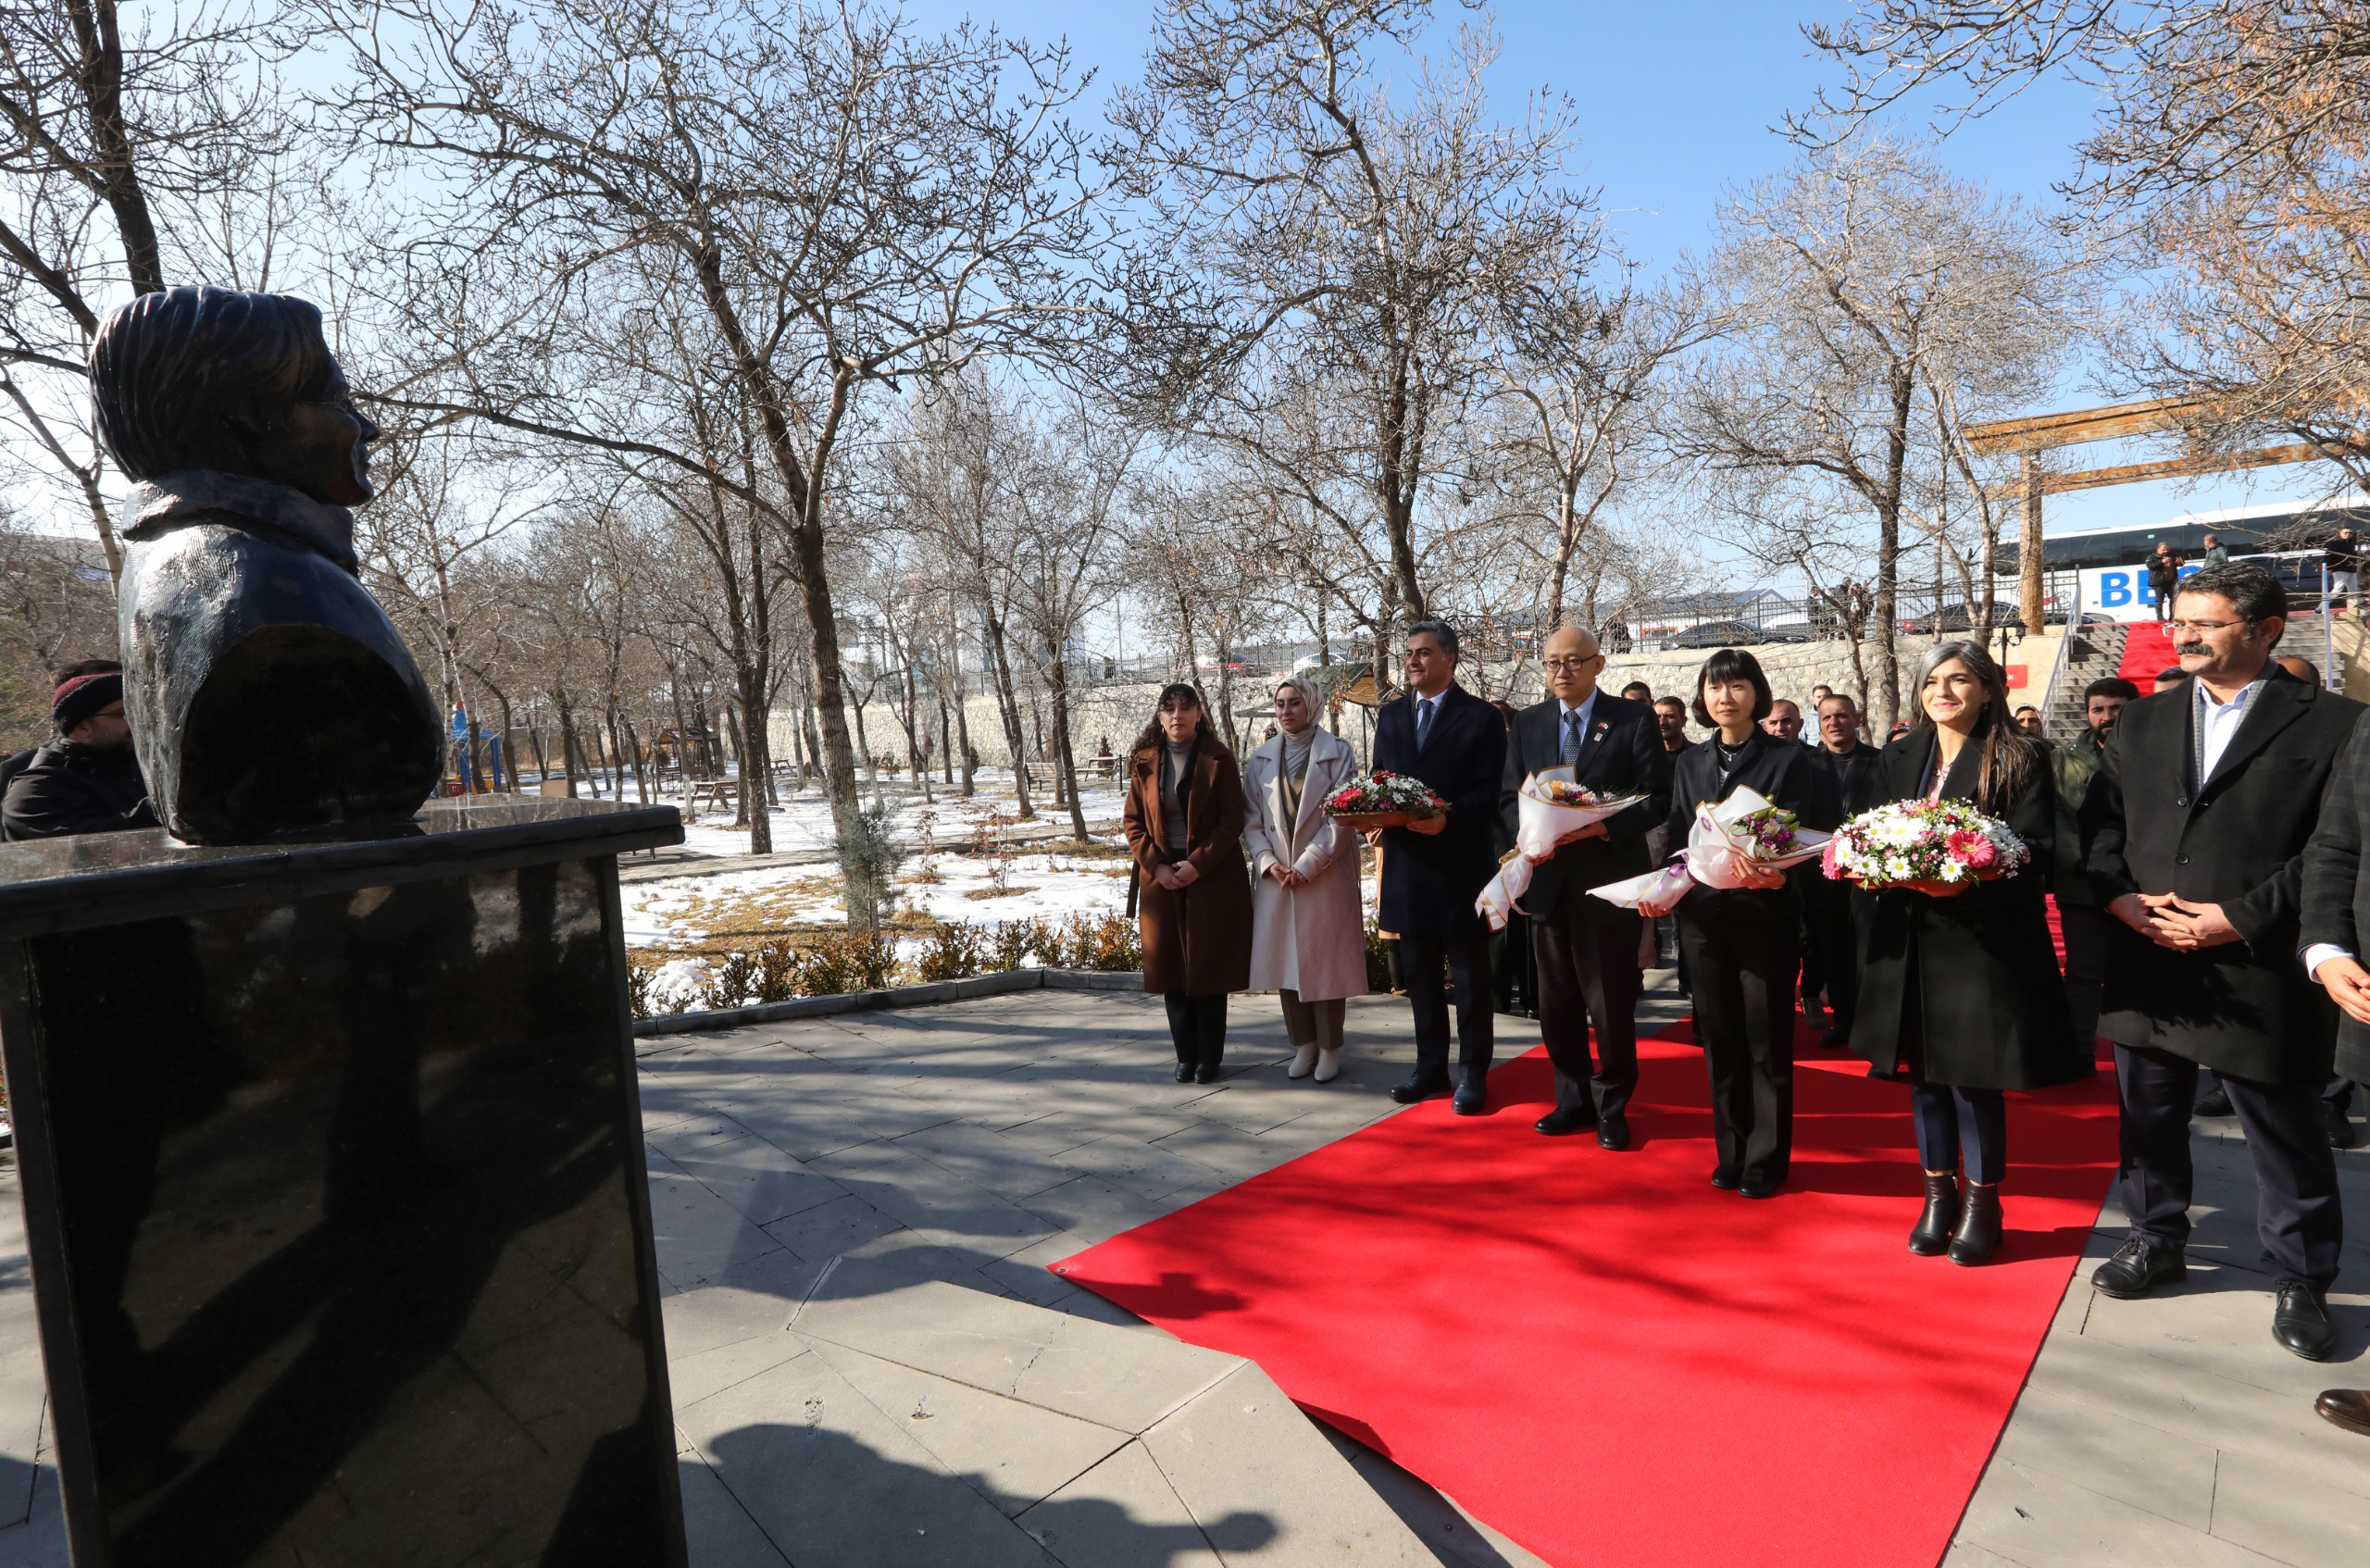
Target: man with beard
x,y
86,779
2197,824
2085,924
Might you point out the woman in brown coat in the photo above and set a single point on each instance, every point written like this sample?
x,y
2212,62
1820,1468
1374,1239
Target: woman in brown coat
x,y
1184,818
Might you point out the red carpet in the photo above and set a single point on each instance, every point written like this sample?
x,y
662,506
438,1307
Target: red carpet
x,y
1616,1364
2146,648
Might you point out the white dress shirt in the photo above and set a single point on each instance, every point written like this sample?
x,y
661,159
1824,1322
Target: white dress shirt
x,y
2217,724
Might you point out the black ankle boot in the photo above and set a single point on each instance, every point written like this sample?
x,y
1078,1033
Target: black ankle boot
x,y
1979,1232
1941,1215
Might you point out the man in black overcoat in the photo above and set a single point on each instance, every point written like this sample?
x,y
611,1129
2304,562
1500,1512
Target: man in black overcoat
x,y
2197,827
1830,959
2337,913
1585,949
1432,871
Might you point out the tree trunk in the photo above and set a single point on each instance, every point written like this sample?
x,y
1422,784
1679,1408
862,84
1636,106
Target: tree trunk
x,y
641,776
571,754
1059,672
757,756
1008,706
963,742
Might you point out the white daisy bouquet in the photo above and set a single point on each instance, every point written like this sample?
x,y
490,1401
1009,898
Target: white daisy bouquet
x,y
1933,846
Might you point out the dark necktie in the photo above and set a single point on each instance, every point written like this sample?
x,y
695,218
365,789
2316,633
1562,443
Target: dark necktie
x,y
1422,722
1571,736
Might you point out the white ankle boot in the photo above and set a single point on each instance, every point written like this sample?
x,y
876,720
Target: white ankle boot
x,y
1303,1058
1328,1064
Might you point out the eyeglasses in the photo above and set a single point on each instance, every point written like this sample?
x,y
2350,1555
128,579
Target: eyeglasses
x,y
1574,664
2176,628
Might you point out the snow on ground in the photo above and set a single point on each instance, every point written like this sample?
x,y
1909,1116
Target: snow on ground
x,y
804,820
948,884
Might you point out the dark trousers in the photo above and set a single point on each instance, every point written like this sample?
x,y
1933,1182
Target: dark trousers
x,y
2086,927
1589,981
1512,976
1830,962
2296,1198
1960,1125
1743,968
1467,958
1197,1027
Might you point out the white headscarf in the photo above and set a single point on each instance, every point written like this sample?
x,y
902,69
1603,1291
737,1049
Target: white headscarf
x,y
1296,747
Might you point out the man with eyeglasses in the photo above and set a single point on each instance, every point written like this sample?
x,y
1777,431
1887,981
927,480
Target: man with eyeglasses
x,y
86,778
2198,824
1830,962
1585,950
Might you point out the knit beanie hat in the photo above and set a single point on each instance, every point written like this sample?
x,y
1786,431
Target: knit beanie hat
x,y
80,696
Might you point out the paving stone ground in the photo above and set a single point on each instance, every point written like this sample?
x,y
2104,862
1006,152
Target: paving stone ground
x,y
872,1364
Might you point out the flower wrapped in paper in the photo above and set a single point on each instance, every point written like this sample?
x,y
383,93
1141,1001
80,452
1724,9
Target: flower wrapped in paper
x,y
1933,846
1746,828
1549,805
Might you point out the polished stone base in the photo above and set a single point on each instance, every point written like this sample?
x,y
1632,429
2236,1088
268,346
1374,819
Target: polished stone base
x,y
335,1195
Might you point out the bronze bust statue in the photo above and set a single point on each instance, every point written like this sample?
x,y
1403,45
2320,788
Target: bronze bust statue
x,y
270,697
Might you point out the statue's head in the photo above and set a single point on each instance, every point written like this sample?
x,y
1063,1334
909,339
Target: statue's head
x,y
205,378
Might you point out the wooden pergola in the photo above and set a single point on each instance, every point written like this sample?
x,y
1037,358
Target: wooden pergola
x,y
2031,435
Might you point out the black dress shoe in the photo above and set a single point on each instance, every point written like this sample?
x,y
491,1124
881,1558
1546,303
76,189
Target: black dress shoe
x,y
2215,1103
1184,1072
2301,1322
1613,1132
1417,1087
1760,1187
1563,1120
1207,1073
2340,1126
1978,1236
1941,1215
2136,1268
1724,1178
1472,1095
1835,1039
2349,1408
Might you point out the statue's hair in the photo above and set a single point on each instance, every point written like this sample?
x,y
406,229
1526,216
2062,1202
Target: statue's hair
x,y
167,370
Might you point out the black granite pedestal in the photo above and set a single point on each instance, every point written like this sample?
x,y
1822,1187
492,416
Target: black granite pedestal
x,y
334,1183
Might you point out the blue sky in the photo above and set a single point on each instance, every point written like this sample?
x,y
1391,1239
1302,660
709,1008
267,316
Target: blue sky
x,y
1676,102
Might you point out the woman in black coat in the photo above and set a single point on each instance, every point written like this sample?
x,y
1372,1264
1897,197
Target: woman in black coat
x,y
1962,991
1742,946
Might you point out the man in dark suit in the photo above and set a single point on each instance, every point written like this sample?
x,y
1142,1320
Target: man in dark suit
x,y
2205,798
2337,913
1586,949
1830,960
1432,871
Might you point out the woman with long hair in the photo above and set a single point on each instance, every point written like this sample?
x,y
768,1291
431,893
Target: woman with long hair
x,y
1960,991
1308,929
1184,818
1742,946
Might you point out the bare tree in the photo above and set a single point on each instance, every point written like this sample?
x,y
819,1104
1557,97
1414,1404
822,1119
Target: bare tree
x,y
119,140
849,203
1581,377
1316,252
1851,287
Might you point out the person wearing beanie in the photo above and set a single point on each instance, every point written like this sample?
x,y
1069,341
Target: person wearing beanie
x,y
86,778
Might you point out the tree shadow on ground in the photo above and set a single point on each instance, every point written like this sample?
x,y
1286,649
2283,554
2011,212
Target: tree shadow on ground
x,y
826,1500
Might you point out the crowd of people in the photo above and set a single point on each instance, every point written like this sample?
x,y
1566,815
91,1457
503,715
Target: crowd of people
x,y
2201,846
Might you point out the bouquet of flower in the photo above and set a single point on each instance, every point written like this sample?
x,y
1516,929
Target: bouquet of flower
x,y
1933,846
1382,800
1548,806
1744,829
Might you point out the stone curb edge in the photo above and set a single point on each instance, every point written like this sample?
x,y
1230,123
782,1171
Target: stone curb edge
x,y
931,994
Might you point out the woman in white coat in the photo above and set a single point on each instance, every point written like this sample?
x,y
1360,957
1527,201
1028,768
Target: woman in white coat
x,y
1308,927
